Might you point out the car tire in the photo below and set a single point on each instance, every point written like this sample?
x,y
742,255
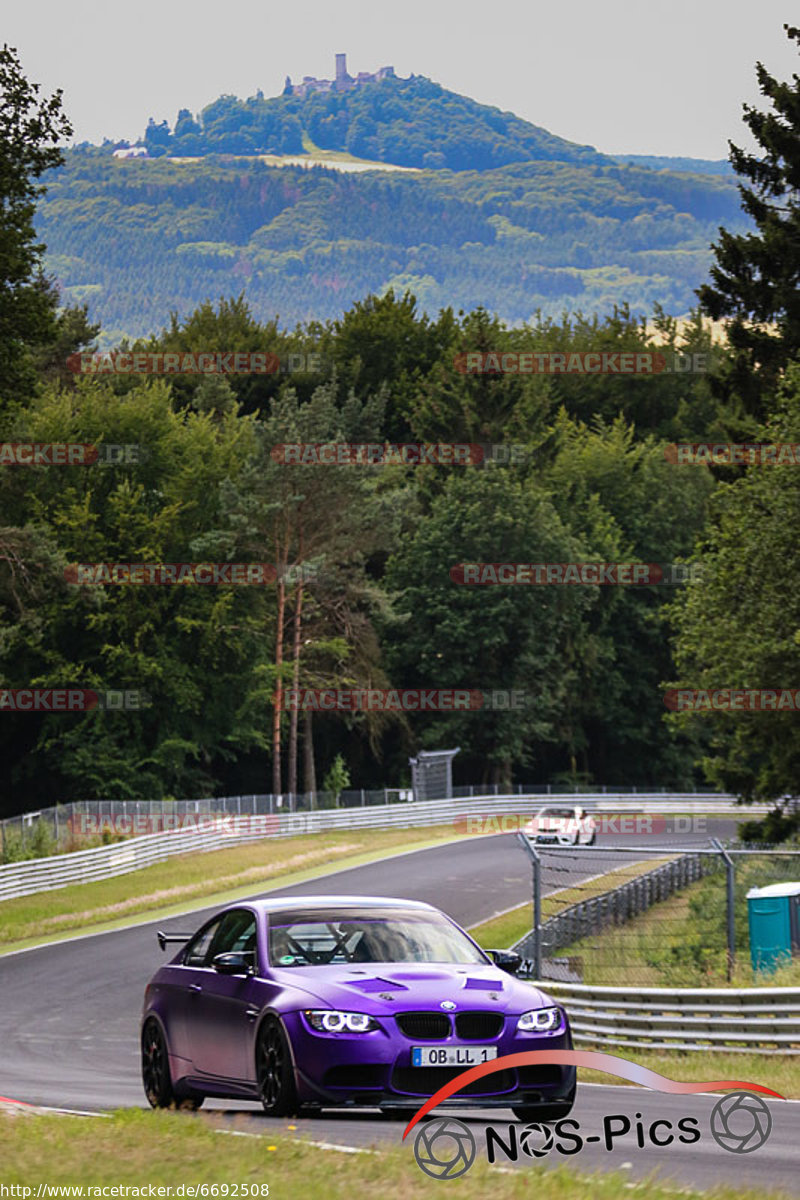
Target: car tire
x,y
545,1112
155,1066
274,1070
593,838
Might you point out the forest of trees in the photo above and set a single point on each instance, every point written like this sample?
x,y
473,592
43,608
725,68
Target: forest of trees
x,y
597,486
364,596
135,240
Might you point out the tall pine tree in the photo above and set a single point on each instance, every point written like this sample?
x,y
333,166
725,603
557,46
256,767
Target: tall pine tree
x,y
30,129
756,278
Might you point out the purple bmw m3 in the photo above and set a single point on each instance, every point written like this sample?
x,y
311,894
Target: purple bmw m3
x,y
337,1000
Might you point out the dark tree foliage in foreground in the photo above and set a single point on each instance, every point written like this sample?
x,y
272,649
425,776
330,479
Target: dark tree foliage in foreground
x,y
30,129
756,278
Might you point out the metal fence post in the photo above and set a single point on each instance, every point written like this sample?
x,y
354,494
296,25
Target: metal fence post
x,y
537,916
730,879
536,865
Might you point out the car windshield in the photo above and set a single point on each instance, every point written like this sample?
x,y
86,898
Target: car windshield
x,y
303,938
565,814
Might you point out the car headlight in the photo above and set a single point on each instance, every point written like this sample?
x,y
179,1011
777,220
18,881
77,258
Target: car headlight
x,y
331,1020
540,1020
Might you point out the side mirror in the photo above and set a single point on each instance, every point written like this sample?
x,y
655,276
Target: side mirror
x,y
506,960
233,964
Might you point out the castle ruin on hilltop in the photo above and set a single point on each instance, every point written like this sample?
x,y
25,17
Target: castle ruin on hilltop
x,y
342,83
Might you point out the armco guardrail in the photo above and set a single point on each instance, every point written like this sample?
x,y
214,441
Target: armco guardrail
x,y
62,823
735,1020
617,905
214,833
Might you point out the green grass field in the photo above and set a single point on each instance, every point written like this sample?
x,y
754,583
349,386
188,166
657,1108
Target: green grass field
x,y
180,883
138,1149
641,948
620,955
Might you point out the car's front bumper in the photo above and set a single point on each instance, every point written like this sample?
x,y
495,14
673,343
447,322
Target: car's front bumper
x,y
375,1069
555,839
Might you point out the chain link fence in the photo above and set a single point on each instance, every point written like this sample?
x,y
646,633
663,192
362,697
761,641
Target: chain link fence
x,y
669,917
87,823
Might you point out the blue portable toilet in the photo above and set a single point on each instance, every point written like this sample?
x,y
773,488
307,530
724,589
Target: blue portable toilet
x,y
774,918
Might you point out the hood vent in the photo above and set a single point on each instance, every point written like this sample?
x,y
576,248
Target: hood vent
x,y
375,985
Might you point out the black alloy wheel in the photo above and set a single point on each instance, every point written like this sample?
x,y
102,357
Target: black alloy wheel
x,y
274,1071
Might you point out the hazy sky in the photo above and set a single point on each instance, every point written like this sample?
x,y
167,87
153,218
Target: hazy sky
x,y
623,75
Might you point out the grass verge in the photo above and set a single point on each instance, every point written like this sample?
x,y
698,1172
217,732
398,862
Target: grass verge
x,y
613,957
167,1149
193,880
644,951
650,950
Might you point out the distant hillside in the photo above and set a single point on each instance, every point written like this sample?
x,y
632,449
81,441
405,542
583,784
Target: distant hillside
x,y
697,166
411,122
136,239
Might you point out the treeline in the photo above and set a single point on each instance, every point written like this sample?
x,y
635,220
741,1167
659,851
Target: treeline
x,y
364,596
134,240
368,599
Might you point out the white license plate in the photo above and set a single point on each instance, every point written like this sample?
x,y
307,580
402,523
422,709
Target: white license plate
x,y
451,1056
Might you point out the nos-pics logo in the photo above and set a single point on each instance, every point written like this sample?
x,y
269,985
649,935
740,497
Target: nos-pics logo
x,y
445,1148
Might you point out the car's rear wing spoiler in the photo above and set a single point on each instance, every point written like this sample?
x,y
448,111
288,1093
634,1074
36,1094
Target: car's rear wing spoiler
x,y
165,938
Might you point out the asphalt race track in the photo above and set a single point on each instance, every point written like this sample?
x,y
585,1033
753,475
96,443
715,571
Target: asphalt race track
x,y
69,1016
